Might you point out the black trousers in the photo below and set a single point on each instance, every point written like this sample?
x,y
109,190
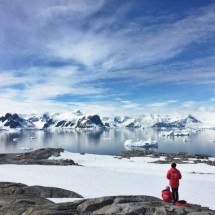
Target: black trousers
x,y
175,194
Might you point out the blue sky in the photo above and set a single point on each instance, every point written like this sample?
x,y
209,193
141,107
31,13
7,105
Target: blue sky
x,y
107,56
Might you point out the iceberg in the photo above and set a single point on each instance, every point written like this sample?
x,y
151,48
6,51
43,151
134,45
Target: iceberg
x,y
166,133
27,149
181,133
141,143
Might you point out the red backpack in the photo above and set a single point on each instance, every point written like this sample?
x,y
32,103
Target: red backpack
x,y
167,196
182,203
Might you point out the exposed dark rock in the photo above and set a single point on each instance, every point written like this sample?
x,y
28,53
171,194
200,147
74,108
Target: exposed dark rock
x,y
134,205
39,157
14,204
96,120
44,118
179,158
132,125
61,123
15,121
89,122
9,188
84,123
164,124
209,162
69,124
18,199
48,123
107,124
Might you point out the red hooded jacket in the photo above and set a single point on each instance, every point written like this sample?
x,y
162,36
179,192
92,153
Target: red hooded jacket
x,y
173,175
167,196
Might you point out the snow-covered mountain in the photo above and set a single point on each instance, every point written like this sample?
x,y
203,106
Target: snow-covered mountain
x,y
14,121
39,120
78,121
126,121
144,120
188,122
73,120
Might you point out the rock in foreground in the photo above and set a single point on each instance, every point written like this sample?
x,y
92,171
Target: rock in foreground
x,y
39,157
10,188
21,199
18,198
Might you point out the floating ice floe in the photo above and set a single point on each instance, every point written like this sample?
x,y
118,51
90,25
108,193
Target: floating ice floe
x,y
15,139
166,133
141,143
26,149
179,133
212,141
186,140
107,138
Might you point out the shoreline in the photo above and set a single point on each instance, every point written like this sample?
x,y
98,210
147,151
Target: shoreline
x,y
41,157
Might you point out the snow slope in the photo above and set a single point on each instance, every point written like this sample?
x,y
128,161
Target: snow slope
x,y
103,175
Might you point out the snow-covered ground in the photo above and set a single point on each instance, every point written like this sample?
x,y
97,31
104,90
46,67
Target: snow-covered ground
x,y
103,175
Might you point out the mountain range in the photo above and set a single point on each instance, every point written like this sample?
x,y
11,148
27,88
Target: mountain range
x,y
76,120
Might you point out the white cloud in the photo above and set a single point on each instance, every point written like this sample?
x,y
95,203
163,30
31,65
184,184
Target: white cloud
x,y
101,108
10,79
172,101
43,84
189,104
131,105
103,49
157,104
27,107
72,9
126,47
161,104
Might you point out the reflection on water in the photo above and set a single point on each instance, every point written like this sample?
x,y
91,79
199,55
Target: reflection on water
x,y
105,142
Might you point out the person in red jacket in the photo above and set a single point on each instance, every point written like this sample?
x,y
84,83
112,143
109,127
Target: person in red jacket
x,y
174,175
167,195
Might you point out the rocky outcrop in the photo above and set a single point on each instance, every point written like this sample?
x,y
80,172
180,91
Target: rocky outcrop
x,y
170,157
10,188
16,199
39,157
14,202
136,205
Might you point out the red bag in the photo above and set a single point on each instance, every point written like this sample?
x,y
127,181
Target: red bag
x,y
166,196
182,203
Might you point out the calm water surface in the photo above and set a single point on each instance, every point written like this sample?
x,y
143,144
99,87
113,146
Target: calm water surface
x,y
109,142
